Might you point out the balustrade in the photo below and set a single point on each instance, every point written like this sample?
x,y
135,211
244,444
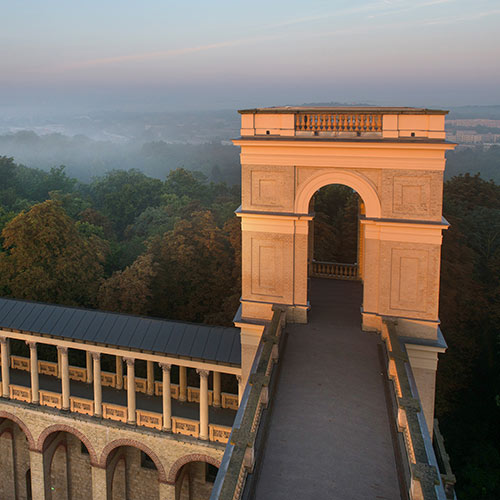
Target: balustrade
x,y
334,270
165,421
338,122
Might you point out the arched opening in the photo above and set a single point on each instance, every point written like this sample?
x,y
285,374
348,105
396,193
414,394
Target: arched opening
x,y
67,467
14,460
131,473
195,480
336,242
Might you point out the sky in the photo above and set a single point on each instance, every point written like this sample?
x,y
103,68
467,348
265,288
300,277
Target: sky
x,y
162,55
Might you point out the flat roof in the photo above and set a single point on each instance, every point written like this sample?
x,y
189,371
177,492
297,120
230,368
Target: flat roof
x,y
386,110
180,339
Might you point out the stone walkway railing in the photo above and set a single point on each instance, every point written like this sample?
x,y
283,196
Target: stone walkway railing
x,y
424,478
93,376
239,456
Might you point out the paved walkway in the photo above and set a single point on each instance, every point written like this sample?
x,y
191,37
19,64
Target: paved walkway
x,y
220,416
329,435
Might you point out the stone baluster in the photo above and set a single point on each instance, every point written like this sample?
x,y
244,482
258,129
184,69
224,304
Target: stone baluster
x,y
96,356
182,383
203,403
241,388
217,390
150,382
34,372
88,364
130,390
4,343
119,372
63,352
167,397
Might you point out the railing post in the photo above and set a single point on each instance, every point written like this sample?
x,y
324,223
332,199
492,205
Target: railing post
x,y
63,352
241,388
167,397
130,390
182,383
4,342
203,403
150,382
96,356
119,372
89,365
35,398
217,390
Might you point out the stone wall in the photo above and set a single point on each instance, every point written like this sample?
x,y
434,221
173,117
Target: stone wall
x,y
81,473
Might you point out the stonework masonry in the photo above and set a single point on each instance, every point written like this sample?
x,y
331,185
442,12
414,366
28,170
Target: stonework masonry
x,y
42,448
394,158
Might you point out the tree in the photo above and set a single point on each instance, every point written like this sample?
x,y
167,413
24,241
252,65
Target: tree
x,y
194,274
122,195
129,290
46,258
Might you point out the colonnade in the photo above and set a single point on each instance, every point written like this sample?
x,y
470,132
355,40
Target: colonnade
x,y
94,376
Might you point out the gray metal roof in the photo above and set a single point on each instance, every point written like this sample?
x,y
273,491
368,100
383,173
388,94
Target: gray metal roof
x,y
204,342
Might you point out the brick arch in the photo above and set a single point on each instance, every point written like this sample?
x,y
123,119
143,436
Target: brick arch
x,y
162,478
71,430
195,457
23,426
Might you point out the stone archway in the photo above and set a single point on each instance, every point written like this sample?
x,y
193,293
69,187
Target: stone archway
x,y
9,416
68,457
15,449
71,430
132,469
358,182
289,153
190,476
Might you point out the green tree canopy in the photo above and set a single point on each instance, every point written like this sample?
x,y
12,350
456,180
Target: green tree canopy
x,y
46,258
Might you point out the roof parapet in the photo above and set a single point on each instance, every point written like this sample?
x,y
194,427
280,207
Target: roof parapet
x,y
344,122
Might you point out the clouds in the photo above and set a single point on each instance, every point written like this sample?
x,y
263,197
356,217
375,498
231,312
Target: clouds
x,y
369,46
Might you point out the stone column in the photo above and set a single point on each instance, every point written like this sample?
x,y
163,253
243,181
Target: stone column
x,y
64,376
88,363
203,403
241,387
34,372
119,372
96,356
150,383
167,397
4,343
98,483
182,383
58,363
217,390
37,475
130,390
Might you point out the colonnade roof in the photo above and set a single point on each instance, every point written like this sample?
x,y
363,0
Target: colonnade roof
x,y
205,342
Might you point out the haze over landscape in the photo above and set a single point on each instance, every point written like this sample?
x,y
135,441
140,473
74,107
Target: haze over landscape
x,y
116,120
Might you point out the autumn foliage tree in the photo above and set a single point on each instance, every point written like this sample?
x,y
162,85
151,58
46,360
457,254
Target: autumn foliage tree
x,y
46,258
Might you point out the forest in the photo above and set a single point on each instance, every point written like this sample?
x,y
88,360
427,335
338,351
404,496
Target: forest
x,y
170,248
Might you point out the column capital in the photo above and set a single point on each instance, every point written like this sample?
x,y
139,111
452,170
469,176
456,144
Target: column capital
x,y
129,361
238,378
31,344
165,366
202,373
62,349
3,340
95,355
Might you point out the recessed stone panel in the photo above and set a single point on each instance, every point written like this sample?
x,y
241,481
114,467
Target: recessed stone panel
x,y
411,195
267,267
409,270
268,188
